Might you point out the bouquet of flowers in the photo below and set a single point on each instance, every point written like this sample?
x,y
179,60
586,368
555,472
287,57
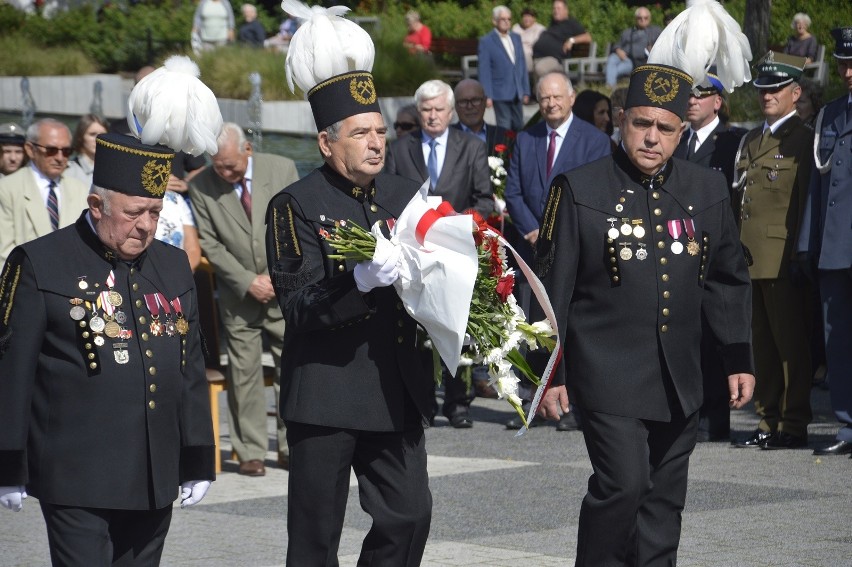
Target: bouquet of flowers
x,y
495,324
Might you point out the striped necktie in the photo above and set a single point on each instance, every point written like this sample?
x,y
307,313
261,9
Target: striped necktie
x,y
52,205
245,199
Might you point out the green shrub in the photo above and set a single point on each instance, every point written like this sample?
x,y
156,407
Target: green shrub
x,y
226,72
32,61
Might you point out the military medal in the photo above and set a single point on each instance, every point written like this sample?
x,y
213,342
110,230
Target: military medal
x,y
626,253
112,329
641,254
115,298
119,351
612,232
156,326
99,340
182,325
772,175
120,317
626,229
638,229
675,232
77,312
82,282
168,324
125,334
692,247
97,324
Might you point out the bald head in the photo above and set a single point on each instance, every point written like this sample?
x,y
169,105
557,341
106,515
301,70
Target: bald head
x,y
470,103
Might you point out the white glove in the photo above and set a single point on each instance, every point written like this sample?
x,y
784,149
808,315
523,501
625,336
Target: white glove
x,y
382,270
12,497
192,491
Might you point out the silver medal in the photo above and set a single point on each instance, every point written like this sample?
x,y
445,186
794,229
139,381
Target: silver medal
x,y
626,229
120,317
99,340
121,356
641,254
612,233
638,231
97,324
77,313
677,247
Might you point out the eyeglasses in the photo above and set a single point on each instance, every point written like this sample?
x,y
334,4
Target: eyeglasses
x,y
404,126
51,151
470,102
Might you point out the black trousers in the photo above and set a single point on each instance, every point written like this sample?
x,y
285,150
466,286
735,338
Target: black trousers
x,y
631,514
97,537
393,488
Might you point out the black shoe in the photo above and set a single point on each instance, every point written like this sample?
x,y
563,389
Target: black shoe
x,y
783,440
756,439
567,422
461,420
836,448
516,422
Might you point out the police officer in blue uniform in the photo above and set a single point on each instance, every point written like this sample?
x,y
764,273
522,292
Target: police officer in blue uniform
x,y
826,237
104,411
631,262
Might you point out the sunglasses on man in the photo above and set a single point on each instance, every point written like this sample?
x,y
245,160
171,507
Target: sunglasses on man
x,y
405,126
51,151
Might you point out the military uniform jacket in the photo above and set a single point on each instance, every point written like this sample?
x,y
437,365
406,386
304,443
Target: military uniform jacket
x,y
77,427
827,223
351,357
631,328
772,195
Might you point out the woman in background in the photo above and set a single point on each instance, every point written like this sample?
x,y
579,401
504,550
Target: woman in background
x,y
596,109
177,227
802,43
213,23
82,165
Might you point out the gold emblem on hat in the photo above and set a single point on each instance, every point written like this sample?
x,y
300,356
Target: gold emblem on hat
x,y
155,177
363,90
660,89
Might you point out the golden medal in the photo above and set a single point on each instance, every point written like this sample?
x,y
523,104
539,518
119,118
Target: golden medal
x,y
182,325
112,329
638,229
692,247
156,326
115,298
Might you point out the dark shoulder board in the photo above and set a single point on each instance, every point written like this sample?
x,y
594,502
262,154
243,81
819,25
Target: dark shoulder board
x,y
545,246
9,279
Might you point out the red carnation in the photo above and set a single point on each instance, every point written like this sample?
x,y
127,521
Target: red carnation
x,y
504,287
500,148
510,134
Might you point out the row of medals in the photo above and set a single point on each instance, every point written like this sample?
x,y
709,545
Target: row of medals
x,y
113,325
634,227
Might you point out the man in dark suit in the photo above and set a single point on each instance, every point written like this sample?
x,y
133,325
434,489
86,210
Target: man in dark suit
x,y
470,109
230,200
709,142
454,162
826,238
456,165
104,408
503,71
632,250
775,163
352,392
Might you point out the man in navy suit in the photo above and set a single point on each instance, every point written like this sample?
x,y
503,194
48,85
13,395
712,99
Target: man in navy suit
x,y
503,71
568,142
559,144
470,109
826,237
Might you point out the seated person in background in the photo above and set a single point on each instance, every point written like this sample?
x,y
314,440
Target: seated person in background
x,y
557,41
82,165
802,43
176,226
12,155
407,120
632,48
251,33
285,32
530,30
419,38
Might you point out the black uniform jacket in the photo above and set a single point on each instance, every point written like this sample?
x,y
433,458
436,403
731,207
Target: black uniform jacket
x,y
631,327
718,151
77,427
350,357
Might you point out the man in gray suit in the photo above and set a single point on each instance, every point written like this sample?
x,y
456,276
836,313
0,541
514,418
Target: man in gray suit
x,y
36,200
230,201
456,163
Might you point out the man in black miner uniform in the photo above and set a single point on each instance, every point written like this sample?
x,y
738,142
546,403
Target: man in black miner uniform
x,y
104,409
352,394
671,253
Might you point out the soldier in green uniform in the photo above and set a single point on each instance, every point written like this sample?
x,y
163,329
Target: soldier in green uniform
x,y
104,411
772,174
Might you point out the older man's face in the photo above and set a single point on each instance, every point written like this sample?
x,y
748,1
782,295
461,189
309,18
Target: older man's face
x,y
555,100
358,154
643,18
776,103
503,21
435,115
230,163
560,11
127,224
50,153
470,104
650,136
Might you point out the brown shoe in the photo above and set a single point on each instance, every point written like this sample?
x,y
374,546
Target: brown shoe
x,y
253,467
283,461
484,390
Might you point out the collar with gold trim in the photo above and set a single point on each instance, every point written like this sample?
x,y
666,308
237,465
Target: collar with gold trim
x,y
647,181
361,194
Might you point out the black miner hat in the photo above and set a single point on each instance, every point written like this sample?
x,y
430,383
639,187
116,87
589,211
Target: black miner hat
x,y
126,165
343,96
662,86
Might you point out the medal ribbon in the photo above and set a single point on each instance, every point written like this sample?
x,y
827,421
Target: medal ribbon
x,y
689,227
110,281
674,228
103,303
161,299
177,307
151,301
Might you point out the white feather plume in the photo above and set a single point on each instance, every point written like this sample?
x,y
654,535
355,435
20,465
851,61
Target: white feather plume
x,y
703,35
172,106
325,45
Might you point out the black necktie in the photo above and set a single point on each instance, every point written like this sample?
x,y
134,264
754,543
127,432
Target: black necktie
x,y
693,146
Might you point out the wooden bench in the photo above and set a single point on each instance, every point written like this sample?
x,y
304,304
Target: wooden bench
x,y
448,51
817,70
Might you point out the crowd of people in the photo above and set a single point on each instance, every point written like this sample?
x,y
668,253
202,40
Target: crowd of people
x,y
705,254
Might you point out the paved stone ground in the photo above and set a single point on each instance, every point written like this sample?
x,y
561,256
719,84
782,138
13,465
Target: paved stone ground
x,y
501,501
